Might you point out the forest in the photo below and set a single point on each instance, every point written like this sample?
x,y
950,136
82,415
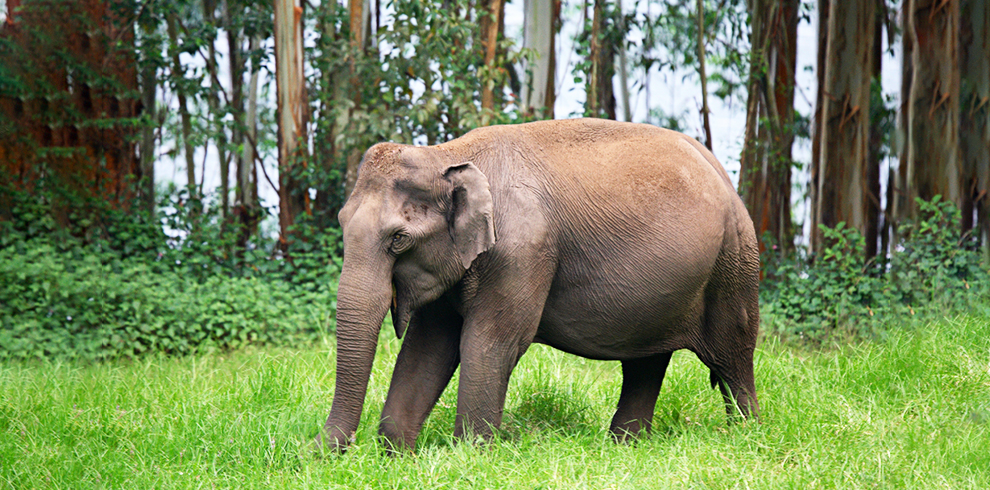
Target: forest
x,y
244,99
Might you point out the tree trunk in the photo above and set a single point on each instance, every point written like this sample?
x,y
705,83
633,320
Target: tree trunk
x,y
817,129
215,118
489,29
235,106
600,98
765,163
178,76
248,207
291,112
974,123
358,10
149,89
933,160
876,222
539,35
899,204
701,74
623,67
844,189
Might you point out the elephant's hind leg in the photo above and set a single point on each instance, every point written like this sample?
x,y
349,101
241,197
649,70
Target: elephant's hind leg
x,y
641,381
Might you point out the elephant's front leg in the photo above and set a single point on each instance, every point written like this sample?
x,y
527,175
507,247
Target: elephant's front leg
x,y
486,365
495,336
426,362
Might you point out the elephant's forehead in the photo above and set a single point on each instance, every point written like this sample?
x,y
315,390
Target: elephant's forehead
x,y
383,158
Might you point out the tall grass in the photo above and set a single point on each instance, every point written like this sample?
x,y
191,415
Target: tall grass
x,y
910,412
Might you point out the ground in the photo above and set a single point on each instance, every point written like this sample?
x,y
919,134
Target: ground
x,y
912,411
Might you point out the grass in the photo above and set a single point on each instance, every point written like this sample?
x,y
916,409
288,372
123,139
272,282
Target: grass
x,y
910,412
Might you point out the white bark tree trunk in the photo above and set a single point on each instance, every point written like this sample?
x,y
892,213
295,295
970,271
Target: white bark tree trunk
x,y
538,35
291,103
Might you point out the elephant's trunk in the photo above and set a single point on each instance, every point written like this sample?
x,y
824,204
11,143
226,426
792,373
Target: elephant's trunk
x,y
363,297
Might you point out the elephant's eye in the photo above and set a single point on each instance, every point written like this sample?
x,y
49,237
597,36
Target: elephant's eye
x,y
398,242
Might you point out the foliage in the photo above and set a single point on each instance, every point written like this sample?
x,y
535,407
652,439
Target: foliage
x,y
129,285
410,87
935,267
97,306
913,411
671,42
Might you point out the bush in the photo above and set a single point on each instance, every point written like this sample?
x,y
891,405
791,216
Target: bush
x,y
935,267
97,306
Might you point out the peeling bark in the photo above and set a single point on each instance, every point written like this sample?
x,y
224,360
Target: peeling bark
x,y
974,122
292,107
844,187
765,163
932,156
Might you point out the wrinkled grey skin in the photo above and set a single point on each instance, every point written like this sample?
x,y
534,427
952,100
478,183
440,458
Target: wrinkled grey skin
x,y
607,240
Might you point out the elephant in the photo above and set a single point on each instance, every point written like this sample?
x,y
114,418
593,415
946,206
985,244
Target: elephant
x,y
608,240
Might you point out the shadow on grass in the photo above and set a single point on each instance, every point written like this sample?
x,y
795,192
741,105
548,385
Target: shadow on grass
x,y
550,409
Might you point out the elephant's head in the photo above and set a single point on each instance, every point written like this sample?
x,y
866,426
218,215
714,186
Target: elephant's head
x,y
412,227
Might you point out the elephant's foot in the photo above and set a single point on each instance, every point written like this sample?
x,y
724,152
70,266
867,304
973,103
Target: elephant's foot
x,y
331,442
631,430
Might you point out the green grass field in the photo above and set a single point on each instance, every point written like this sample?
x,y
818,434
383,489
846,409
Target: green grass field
x,y
910,412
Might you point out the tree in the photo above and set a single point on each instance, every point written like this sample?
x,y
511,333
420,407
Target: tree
x,y
702,75
765,163
816,140
358,11
292,111
600,100
181,86
490,27
974,122
539,34
932,157
845,192
69,105
247,207
150,62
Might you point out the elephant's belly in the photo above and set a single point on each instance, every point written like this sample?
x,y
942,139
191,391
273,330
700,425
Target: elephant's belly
x,y
614,321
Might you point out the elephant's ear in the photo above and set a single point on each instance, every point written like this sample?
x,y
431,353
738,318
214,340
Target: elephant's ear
x,y
470,218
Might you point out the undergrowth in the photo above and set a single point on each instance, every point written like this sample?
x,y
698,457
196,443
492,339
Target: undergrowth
x,y
115,285
935,268
129,285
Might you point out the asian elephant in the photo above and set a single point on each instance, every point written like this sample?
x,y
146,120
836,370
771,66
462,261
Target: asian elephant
x,y
608,240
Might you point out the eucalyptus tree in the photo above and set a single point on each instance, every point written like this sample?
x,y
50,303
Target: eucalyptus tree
x,y
845,193
292,112
974,123
765,163
540,21
931,157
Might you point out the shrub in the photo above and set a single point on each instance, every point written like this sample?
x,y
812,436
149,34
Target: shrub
x,y
94,305
933,268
